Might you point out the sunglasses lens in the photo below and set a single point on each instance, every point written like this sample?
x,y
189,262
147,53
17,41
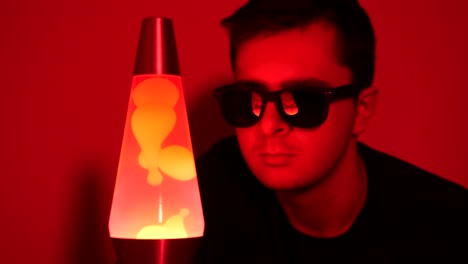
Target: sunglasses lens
x,y
240,108
310,109
303,108
289,104
256,104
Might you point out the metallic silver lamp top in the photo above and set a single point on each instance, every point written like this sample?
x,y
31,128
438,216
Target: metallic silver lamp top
x,y
157,50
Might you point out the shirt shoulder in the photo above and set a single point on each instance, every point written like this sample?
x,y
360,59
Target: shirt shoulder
x,y
221,166
415,202
227,186
413,181
235,206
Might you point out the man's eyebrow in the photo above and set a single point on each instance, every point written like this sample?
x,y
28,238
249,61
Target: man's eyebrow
x,y
306,82
287,83
251,82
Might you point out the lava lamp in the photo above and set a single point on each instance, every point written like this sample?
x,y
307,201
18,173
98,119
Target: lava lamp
x,y
156,214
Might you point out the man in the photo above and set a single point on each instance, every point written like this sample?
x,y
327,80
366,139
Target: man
x,y
295,185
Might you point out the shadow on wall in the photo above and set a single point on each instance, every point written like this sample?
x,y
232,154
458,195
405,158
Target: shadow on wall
x,y
206,122
88,238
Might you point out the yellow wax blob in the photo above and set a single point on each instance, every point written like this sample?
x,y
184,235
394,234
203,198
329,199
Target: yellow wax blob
x,y
173,228
154,91
178,163
152,121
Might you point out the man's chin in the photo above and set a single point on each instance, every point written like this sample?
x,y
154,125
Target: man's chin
x,y
284,183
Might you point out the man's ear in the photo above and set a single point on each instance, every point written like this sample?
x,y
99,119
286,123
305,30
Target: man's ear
x,y
366,105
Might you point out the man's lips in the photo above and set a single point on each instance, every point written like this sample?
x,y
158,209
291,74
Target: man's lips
x,y
276,154
276,159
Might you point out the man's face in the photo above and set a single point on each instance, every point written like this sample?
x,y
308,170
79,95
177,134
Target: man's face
x,y
280,156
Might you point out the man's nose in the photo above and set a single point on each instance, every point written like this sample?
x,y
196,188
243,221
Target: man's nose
x,y
271,122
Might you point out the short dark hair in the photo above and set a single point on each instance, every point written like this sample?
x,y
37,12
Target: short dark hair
x,y
356,38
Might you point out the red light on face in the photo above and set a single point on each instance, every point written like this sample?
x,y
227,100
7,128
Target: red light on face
x,y
156,193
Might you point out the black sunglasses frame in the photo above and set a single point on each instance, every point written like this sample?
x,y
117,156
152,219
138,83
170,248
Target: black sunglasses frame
x,y
329,95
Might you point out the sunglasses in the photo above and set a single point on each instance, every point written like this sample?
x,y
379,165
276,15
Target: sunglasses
x,y
300,105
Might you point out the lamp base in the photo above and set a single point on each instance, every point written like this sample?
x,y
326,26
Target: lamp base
x,y
161,251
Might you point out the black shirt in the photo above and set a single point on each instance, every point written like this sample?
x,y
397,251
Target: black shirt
x,y
408,213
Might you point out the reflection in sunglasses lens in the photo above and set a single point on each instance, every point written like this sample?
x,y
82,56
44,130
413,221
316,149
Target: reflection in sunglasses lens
x,y
289,105
256,103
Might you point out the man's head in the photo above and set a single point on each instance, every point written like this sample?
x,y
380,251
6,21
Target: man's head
x,y
355,34
281,45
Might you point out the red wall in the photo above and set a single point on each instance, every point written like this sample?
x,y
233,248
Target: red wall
x,y
65,76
